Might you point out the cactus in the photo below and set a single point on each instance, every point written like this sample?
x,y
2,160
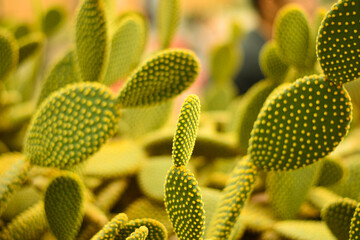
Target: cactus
x,y
29,45
354,225
167,20
157,231
52,20
9,50
331,172
111,230
139,234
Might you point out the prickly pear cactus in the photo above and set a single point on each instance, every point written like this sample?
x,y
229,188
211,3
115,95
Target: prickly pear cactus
x,y
354,225
9,50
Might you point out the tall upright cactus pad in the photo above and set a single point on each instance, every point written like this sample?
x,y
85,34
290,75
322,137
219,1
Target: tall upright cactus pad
x,y
9,52
71,125
29,225
127,45
62,73
292,34
111,230
338,217
91,40
337,43
11,180
234,197
183,203
139,234
300,124
186,131
167,20
354,232
157,231
223,63
64,205
162,77
52,20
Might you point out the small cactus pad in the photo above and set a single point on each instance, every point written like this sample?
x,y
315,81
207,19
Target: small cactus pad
x,y
354,233
29,45
9,52
52,20
331,172
71,125
167,20
183,203
11,180
223,63
271,63
64,205
337,43
157,231
186,131
62,73
300,124
110,194
162,77
139,234
292,35
235,195
338,217
29,225
91,40
127,45
111,230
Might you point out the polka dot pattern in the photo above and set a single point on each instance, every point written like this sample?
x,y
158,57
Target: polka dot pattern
x,y
338,217
162,77
183,203
139,234
186,131
300,124
235,194
71,125
9,51
354,233
338,42
167,20
64,205
91,40
157,231
111,230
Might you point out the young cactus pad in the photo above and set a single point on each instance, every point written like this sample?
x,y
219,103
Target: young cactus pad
x,y
111,230
162,77
157,230
354,233
71,125
64,205
300,124
9,51
139,234
337,43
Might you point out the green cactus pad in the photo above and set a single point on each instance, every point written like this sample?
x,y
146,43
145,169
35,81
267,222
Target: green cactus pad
x,y
223,63
304,230
186,131
29,45
299,124
167,20
354,233
29,225
338,40
272,64
235,195
71,125
338,217
111,230
331,172
21,30
9,51
62,73
292,35
139,234
115,159
52,20
251,105
157,231
183,203
91,40
127,45
11,181
110,194
64,205
320,197
287,190
162,77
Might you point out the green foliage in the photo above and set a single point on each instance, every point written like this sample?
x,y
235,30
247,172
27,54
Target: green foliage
x,y
276,143
139,234
354,225
9,51
59,134
109,195
331,172
157,231
162,77
111,230
52,20
167,20
30,45
64,205
91,40
337,42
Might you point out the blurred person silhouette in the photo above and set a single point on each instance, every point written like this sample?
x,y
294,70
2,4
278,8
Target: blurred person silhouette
x,y
250,71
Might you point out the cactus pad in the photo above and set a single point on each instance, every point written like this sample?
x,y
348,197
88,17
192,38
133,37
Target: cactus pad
x,y
354,233
9,51
157,231
139,234
235,195
186,131
337,43
331,172
162,77
52,20
29,45
71,125
91,40
111,230
168,19
64,205
299,124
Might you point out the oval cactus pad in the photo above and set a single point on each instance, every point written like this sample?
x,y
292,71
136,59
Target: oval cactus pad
x,y
300,124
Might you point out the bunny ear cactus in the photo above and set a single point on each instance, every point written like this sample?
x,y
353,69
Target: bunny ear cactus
x,y
157,231
183,201
52,20
9,50
111,230
29,45
355,225
139,234
167,20
64,205
331,172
